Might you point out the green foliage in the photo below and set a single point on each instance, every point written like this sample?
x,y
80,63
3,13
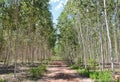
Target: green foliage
x,y
94,75
103,76
57,49
79,61
31,22
2,80
37,72
81,30
118,80
74,67
2,1
92,64
83,72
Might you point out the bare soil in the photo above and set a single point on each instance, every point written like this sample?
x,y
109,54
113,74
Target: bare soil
x,y
59,72
56,72
63,74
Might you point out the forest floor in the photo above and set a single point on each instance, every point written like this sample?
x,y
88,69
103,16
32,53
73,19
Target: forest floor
x,y
59,72
56,72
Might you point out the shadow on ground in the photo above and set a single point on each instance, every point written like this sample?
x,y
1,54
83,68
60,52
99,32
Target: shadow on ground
x,y
7,70
64,76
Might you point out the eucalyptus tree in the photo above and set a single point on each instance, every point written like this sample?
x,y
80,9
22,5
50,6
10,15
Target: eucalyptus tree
x,y
96,27
1,29
26,31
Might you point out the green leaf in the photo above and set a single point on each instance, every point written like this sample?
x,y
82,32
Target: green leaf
x,y
1,1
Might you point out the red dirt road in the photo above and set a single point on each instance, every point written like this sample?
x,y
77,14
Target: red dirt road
x,y
58,72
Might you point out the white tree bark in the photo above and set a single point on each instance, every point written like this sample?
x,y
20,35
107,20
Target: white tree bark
x,y
109,39
100,34
16,41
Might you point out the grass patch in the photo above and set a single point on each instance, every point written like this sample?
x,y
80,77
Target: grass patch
x,y
37,72
74,67
2,80
102,76
98,76
83,72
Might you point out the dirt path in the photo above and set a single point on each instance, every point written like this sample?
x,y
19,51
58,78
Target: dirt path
x,y
62,73
56,72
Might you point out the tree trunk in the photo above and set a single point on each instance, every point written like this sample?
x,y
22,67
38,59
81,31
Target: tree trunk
x,y
83,44
16,41
100,34
109,39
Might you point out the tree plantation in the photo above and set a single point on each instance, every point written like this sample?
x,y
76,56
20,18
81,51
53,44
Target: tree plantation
x,y
85,40
26,32
89,34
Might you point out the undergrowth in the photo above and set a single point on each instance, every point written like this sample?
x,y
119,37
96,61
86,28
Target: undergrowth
x,y
37,72
2,80
102,76
97,76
